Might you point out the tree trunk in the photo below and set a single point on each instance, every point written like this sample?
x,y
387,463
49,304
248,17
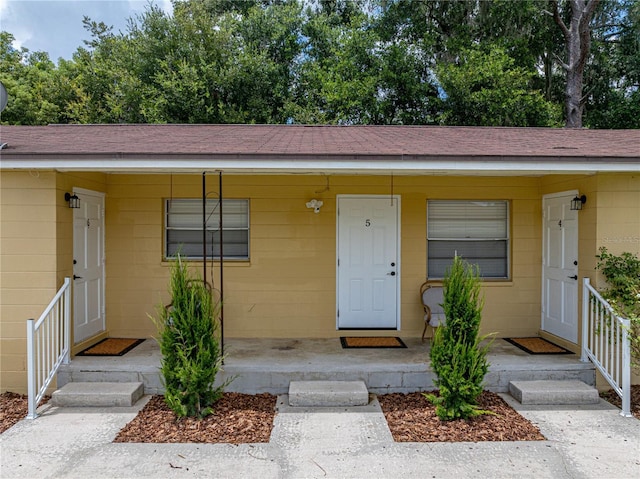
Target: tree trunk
x,y
577,39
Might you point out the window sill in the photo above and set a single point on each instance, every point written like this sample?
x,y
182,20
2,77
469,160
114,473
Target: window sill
x,y
227,262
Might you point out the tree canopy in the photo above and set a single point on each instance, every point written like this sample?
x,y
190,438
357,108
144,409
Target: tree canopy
x,y
464,62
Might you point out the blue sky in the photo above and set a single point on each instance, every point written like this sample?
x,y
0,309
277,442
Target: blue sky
x,y
55,26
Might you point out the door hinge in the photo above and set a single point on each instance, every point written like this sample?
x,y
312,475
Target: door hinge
x,y
338,261
338,313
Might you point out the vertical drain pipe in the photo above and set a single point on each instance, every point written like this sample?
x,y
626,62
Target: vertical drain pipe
x,y
204,228
221,268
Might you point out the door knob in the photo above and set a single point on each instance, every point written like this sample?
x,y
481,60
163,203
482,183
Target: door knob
x,y
393,273
575,276
77,277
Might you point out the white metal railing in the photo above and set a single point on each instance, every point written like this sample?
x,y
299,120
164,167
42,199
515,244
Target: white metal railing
x,y
605,342
48,341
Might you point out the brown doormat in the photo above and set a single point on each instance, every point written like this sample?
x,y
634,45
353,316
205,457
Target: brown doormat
x,y
537,346
372,342
111,347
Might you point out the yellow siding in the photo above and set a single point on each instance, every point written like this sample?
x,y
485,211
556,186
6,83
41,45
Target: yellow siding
x,y
36,247
618,210
287,289
610,217
27,264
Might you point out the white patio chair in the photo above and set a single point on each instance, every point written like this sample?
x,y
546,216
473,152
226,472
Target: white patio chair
x,y
431,296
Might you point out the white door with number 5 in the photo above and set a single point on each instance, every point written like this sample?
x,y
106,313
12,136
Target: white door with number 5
x,y
368,278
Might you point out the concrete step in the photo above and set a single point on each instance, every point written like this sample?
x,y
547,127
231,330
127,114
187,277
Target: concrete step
x,y
553,392
328,393
103,394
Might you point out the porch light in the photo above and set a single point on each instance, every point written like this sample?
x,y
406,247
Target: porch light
x,y
577,202
74,201
315,205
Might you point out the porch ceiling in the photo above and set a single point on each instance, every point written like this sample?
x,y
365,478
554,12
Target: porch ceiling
x,y
290,149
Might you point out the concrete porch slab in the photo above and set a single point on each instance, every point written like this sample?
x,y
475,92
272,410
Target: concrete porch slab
x,y
269,365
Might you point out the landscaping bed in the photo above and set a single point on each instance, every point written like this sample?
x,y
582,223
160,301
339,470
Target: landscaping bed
x,y
244,418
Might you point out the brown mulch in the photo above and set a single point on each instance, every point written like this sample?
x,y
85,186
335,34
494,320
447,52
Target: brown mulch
x,y
243,418
613,398
13,408
237,418
412,418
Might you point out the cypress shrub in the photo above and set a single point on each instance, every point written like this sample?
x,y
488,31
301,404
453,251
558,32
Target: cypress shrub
x,y
457,357
191,355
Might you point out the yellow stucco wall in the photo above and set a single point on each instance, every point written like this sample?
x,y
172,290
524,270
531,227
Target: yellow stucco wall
x,y
287,289
36,247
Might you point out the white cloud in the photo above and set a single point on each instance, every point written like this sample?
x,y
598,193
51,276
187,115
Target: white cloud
x,y
55,26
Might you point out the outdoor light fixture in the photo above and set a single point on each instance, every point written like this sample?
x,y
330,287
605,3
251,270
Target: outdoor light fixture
x,y
577,202
315,204
74,201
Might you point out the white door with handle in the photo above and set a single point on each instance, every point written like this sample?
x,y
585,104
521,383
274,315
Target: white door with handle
x,y
88,265
560,267
368,277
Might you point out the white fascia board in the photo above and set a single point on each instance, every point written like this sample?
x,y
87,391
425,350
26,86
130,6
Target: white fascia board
x,y
375,165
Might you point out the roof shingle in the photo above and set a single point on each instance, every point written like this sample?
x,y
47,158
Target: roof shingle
x,y
297,140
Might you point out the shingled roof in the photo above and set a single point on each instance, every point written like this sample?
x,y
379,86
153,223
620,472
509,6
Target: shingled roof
x,y
272,148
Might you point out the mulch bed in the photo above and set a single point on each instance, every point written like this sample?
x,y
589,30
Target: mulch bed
x,y
13,408
611,397
244,418
412,418
237,418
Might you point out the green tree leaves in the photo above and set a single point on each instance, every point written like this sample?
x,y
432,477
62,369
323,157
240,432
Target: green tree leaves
x,y
488,89
468,62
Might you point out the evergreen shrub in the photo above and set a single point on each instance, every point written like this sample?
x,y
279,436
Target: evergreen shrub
x,y
188,338
457,357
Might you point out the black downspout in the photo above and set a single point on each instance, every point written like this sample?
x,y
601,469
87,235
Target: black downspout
x,y
221,269
204,227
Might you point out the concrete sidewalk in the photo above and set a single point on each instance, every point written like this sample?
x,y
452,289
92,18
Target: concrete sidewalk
x,y
582,442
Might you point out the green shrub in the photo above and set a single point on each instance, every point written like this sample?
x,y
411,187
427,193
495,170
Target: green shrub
x,y
191,355
457,357
623,293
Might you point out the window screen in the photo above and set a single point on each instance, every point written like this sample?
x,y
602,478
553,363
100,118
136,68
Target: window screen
x,y
183,228
477,231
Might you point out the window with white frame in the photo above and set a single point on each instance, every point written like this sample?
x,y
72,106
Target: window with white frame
x,y
183,228
477,231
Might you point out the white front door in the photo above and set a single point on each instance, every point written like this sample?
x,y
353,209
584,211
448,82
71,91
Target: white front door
x,y
368,278
560,267
88,265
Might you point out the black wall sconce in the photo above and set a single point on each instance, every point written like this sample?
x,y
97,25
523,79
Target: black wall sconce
x,y
577,202
74,201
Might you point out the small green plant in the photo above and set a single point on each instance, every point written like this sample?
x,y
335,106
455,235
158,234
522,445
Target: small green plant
x,y
191,355
457,357
623,293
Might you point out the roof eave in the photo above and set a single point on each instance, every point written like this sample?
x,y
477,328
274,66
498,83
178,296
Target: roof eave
x,y
327,163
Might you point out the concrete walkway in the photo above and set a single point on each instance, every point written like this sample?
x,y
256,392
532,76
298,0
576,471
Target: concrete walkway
x,y
582,442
